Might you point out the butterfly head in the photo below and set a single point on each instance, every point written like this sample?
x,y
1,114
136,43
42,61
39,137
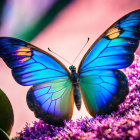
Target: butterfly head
x,y
72,68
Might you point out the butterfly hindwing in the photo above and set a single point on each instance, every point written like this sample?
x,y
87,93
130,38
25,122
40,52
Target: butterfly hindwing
x,y
103,90
52,101
104,87
30,65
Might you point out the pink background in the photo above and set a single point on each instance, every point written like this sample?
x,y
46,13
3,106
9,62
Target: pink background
x,y
66,36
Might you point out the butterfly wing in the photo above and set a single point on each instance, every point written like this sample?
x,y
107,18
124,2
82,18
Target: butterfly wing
x,y
52,101
103,87
51,96
30,65
103,90
116,46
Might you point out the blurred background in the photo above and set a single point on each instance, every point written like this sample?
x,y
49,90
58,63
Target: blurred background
x,y
62,25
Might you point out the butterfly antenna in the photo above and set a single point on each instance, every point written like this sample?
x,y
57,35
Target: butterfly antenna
x,y
81,50
59,56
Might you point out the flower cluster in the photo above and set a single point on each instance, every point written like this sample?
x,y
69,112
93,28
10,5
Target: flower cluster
x,y
122,124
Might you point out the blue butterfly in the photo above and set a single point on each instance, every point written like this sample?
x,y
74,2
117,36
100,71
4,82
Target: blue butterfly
x,y
55,88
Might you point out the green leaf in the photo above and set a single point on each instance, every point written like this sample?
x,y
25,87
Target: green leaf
x,y
6,113
3,135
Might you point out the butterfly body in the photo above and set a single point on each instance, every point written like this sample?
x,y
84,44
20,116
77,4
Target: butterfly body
x,y
76,90
98,79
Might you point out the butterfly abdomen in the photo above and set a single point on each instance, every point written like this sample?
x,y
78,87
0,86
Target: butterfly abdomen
x,y
76,90
77,96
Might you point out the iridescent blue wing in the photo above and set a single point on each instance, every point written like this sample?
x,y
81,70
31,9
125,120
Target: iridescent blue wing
x,y
30,65
51,97
103,87
116,46
52,101
103,90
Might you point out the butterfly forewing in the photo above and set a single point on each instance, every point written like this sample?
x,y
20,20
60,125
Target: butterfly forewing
x,y
115,48
30,65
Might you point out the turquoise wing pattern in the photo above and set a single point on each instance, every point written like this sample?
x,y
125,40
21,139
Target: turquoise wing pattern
x,y
104,87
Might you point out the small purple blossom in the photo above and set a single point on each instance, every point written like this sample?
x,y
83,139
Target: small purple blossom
x,y
122,124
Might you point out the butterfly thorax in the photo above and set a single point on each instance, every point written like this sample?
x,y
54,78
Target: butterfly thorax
x,y
75,83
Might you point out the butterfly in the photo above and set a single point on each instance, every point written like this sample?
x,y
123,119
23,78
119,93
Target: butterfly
x,y
97,81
